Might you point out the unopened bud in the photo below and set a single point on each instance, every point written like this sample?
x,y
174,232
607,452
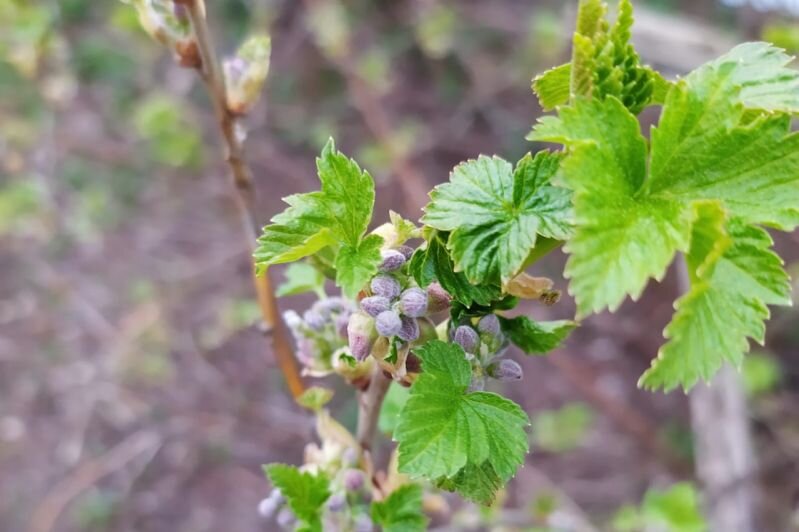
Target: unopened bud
x,y
505,370
270,505
467,338
386,286
413,302
392,260
407,251
489,324
374,305
342,322
353,480
313,320
337,502
437,298
286,519
409,330
388,323
246,72
163,21
363,523
360,335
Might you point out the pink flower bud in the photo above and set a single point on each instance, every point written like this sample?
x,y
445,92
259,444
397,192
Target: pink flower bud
x,y
361,334
392,260
374,305
413,302
386,286
409,330
505,370
314,320
467,338
353,480
407,251
437,298
337,502
388,323
489,324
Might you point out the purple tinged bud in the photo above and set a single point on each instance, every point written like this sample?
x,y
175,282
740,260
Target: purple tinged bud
x,y
286,519
489,324
353,480
467,338
314,320
392,260
437,298
410,329
413,302
268,507
363,523
342,322
337,502
374,305
505,370
388,323
386,286
407,251
360,335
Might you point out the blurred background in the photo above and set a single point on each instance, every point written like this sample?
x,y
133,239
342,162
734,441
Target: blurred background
x,y
136,392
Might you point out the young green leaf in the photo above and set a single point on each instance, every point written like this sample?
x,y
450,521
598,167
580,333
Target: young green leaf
x,y
630,220
301,278
494,213
305,493
552,87
434,263
444,427
337,215
534,336
478,483
401,511
734,276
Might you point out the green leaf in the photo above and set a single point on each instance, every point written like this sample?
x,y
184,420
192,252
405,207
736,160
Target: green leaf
x,y
674,509
401,511
356,265
444,427
552,87
393,404
734,276
305,493
621,239
714,145
534,336
494,213
301,278
478,483
563,429
434,263
337,216
315,397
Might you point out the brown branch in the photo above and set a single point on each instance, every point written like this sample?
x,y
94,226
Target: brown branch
x,y
211,73
369,403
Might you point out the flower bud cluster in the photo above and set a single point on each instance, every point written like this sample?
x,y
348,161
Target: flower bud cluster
x,y
484,345
320,334
394,308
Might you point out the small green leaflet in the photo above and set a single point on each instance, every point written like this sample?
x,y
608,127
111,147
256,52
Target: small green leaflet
x,y
720,139
606,64
494,213
433,262
734,275
305,493
337,215
301,278
534,336
479,484
401,511
444,428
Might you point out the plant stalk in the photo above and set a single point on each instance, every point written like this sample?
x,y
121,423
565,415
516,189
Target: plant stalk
x,y
369,404
241,176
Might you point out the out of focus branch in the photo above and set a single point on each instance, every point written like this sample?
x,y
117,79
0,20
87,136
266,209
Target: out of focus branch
x,y
211,72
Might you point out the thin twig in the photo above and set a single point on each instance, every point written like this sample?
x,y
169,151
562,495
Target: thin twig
x,y
213,77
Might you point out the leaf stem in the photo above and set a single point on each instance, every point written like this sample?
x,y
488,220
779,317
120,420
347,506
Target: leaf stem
x,y
211,73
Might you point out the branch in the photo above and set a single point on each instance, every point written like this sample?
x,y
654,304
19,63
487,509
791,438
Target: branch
x,y
211,73
369,403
